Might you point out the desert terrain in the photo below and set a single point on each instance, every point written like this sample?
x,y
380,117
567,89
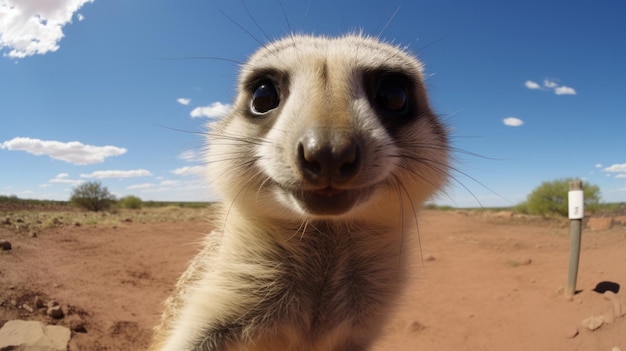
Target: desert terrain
x,y
485,280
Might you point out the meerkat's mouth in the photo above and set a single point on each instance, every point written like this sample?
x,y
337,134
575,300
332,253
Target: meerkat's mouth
x,y
329,201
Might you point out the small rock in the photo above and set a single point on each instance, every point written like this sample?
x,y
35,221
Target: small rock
x,y
32,335
33,234
56,312
608,317
128,220
5,245
52,303
593,323
38,302
27,308
571,332
527,261
77,224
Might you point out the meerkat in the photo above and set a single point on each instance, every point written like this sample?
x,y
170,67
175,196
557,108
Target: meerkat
x,y
330,147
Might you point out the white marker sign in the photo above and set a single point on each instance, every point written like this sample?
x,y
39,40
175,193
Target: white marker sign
x,y
576,204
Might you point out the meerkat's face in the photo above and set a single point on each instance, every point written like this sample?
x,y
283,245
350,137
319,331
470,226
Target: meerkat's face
x,y
327,128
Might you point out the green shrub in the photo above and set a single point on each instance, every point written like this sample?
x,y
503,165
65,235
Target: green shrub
x,y
550,198
131,202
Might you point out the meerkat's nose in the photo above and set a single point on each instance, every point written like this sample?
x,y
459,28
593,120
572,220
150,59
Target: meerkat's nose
x,y
329,156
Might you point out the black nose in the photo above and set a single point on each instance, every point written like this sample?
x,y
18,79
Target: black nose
x,y
330,157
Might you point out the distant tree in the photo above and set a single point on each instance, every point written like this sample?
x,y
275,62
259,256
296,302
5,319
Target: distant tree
x,y
92,196
131,202
550,198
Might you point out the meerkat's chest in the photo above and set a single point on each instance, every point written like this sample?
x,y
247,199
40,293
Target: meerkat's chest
x,y
327,283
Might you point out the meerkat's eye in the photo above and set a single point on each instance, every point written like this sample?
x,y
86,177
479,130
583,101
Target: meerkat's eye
x,y
391,94
264,98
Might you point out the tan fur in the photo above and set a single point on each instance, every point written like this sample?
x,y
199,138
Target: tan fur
x,y
280,272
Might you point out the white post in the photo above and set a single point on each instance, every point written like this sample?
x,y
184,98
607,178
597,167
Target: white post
x,y
576,206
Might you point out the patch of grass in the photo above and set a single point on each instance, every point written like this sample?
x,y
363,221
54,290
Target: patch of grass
x,y
29,221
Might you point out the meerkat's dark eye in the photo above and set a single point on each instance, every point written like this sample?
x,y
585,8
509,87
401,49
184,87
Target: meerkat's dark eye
x,y
391,95
264,98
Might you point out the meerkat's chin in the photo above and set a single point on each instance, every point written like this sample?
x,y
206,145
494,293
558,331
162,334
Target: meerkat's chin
x,y
326,202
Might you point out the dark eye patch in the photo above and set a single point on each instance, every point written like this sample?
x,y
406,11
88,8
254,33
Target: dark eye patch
x,y
393,94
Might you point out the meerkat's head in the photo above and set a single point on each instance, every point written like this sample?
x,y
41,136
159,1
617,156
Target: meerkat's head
x,y
328,128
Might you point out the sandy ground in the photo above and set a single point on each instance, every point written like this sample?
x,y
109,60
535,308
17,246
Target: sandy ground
x,y
486,283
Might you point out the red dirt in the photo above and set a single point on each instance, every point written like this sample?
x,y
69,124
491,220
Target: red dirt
x,y
486,283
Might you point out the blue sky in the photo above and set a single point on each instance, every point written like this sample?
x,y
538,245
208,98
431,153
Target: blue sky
x,y
106,90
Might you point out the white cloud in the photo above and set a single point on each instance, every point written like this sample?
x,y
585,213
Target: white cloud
x,y
182,170
190,156
214,110
619,168
140,186
598,165
72,152
170,182
183,101
550,83
63,178
190,170
532,85
35,27
117,174
80,17
563,90
512,122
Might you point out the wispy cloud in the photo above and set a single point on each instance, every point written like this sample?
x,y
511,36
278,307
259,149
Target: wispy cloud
x,y
190,156
190,170
619,168
35,27
170,182
550,85
512,122
214,110
183,101
117,174
140,186
63,178
73,152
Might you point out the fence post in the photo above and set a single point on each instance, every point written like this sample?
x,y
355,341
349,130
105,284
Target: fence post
x,y
576,214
